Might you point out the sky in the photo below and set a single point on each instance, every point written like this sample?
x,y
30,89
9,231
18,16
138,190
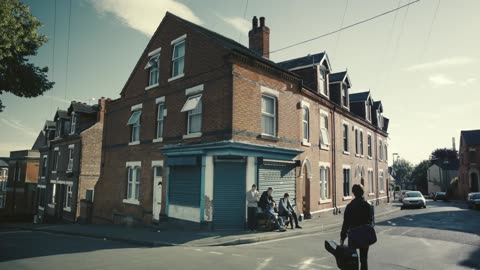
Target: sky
x,y
422,62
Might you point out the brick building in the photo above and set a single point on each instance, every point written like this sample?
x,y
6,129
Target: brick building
x,y
70,158
3,181
469,173
201,118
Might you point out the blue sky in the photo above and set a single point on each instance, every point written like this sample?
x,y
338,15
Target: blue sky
x,y
422,64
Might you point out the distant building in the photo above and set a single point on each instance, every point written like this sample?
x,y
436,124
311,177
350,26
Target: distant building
x,y
440,174
3,181
469,174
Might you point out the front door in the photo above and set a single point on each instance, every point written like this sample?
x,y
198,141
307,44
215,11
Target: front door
x,y
157,192
474,184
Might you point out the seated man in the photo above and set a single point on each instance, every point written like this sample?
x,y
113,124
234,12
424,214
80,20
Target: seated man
x,y
267,204
286,209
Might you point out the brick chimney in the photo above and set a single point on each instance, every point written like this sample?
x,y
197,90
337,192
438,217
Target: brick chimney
x,y
259,37
102,102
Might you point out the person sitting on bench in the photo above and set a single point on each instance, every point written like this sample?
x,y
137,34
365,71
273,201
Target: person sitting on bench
x,y
285,209
267,204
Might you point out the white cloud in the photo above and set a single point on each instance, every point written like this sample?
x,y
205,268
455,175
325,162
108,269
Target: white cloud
x,y
144,15
240,24
469,81
15,124
446,62
440,80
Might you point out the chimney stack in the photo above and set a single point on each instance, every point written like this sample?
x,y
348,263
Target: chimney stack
x,y
259,38
102,103
453,144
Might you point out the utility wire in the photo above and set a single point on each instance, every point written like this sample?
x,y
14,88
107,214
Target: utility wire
x,y
424,49
341,25
68,48
244,14
53,50
344,28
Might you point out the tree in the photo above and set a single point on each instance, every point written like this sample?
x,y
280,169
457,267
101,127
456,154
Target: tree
x,y
403,170
19,40
444,154
419,175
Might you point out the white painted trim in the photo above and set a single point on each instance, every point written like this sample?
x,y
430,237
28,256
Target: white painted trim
x,y
345,122
192,135
346,153
269,91
151,86
176,77
279,161
61,182
41,186
371,194
157,140
323,210
324,147
134,143
327,114
302,67
325,201
56,149
136,107
347,198
157,163
194,90
133,164
44,156
346,166
304,104
154,52
159,100
324,164
71,146
177,40
306,143
131,201
41,208
51,205
68,209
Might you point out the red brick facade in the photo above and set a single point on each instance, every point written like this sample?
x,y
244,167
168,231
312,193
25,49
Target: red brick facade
x,y
469,154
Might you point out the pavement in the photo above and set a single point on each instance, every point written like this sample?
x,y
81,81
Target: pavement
x,y
152,237
442,236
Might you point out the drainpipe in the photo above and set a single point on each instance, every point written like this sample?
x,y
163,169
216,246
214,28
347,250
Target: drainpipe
x,y
375,141
334,164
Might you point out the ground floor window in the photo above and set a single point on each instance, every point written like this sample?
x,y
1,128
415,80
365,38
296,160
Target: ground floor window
x,y
54,191
381,181
89,195
346,182
41,196
324,183
68,197
370,182
133,183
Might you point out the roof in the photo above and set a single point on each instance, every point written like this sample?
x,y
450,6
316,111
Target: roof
x,y
3,163
303,61
471,137
377,105
50,124
61,114
359,97
339,77
82,107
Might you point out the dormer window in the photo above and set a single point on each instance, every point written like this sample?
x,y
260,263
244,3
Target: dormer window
x,y
368,111
322,81
59,128
74,123
380,119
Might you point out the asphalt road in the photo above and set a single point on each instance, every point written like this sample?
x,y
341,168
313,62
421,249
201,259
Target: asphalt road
x,y
443,236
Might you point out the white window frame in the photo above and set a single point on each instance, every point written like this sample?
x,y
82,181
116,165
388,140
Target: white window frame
x,y
70,157
56,158
381,181
196,111
370,181
324,142
133,182
153,68
73,126
272,116
323,85
136,127
380,150
369,146
349,195
44,167
345,136
52,202
68,192
306,125
361,143
385,149
175,43
160,122
325,183
357,142
344,94
368,111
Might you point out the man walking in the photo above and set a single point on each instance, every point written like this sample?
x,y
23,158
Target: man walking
x,y
252,204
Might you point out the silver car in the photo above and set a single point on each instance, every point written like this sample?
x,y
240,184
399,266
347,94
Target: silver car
x,y
414,199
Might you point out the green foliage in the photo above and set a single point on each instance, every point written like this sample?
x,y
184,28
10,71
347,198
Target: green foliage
x,y
444,154
420,174
403,170
19,40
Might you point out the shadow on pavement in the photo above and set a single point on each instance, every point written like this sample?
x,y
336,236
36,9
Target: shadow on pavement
x,y
473,260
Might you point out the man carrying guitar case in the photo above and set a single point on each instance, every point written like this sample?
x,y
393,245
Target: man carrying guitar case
x,y
347,258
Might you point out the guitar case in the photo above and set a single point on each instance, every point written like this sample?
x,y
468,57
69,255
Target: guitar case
x,y
347,258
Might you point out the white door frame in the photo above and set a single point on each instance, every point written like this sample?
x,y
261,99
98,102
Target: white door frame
x,y
157,190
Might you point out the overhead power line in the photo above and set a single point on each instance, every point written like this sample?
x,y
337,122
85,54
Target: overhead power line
x,y
344,28
68,48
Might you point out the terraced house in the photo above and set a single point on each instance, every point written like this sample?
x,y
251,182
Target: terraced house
x,y
201,118
69,161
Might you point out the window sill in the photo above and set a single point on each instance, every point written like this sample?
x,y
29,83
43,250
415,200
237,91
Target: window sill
x,y
369,157
346,153
151,86
51,205
306,143
176,77
324,201
43,177
357,155
134,143
347,198
54,171
269,137
324,147
192,135
371,194
68,209
157,140
131,201
382,192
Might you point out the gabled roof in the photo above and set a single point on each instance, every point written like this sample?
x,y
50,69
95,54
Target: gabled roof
x,y
378,105
49,125
359,97
61,114
3,163
386,121
305,61
340,77
471,137
82,107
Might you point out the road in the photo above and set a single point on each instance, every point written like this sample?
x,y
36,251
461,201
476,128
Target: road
x,y
443,236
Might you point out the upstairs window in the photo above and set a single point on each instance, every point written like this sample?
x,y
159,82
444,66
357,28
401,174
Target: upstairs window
x,y
368,112
56,157
370,187
269,115
306,124
70,159
380,119
380,150
369,145
59,128
386,152
44,166
324,140
134,122
73,126
153,67
357,142
178,58
160,116
345,137
322,81
194,119
361,143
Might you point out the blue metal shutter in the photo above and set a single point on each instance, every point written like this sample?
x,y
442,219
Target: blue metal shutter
x,y
280,176
229,195
184,185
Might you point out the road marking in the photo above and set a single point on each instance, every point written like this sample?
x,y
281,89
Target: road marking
x,y
306,263
238,255
15,232
386,230
198,249
217,253
425,242
264,263
407,231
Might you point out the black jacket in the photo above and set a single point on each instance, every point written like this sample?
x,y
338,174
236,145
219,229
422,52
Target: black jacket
x,y
358,212
265,200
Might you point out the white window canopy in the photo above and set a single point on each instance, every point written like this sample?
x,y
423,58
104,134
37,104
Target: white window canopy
x,y
134,118
152,62
191,104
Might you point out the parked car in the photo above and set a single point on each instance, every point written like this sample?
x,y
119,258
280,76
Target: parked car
x,y
440,196
414,199
473,200
402,195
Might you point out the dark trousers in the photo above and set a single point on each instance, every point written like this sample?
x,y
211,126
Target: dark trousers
x,y
292,216
364,258
252,218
